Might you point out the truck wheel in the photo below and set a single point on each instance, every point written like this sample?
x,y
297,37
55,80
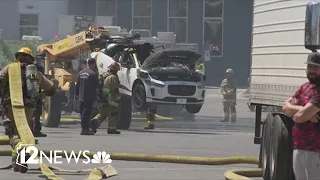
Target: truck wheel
x,y
265,146
139,97
281,150
193,109
51,113
125,113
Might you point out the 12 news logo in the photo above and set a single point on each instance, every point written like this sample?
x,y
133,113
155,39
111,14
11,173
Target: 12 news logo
x,y
55,156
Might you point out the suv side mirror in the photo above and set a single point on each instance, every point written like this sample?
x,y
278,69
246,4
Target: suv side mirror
x,y
312,26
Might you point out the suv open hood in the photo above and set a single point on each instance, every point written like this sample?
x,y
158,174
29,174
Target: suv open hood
x,y
167,56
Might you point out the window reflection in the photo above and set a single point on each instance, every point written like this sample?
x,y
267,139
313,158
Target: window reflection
x,y
142,7
178,8
106,7
179,27
142,23
213,8
213,36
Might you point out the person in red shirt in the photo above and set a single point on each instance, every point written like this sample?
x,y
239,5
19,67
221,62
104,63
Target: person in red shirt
x,y
304,108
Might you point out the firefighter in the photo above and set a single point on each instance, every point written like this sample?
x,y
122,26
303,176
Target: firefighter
x,y
36,128
229,93
108,100
150,115
32,80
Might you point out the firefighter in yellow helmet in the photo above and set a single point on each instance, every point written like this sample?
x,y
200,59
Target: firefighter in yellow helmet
x,y
108,100
229,93
32,81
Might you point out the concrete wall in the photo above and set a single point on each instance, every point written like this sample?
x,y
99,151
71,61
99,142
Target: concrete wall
x,y
48,11
9,19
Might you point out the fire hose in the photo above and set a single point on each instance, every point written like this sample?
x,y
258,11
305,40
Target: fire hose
x,y
236,174
27,137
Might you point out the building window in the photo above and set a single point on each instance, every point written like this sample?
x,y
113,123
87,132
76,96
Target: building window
x,y
178,8
107,8
142,23
142,7
179,27
142,14
213,8
177,19
213,27
28,24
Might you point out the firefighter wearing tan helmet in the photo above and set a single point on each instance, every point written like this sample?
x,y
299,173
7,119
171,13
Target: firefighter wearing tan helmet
x,y
229,93
23,70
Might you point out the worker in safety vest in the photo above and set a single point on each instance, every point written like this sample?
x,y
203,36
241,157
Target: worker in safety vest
x,y
32,80
108,100
201,67
229,93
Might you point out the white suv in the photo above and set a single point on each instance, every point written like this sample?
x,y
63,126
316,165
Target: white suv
x,y
165,77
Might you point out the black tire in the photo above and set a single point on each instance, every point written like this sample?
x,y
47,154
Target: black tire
x,y
262,146
139,97
125,113
51,113
265,146
193,109
281,149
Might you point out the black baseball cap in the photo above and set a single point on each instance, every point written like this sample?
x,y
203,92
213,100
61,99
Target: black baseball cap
x,y
314,59
91,61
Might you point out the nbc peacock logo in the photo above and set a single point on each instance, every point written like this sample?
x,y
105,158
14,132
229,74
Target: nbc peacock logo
x,y
101,157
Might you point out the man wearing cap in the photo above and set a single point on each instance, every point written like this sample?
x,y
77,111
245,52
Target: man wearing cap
x,y
304,107
229,93
86,88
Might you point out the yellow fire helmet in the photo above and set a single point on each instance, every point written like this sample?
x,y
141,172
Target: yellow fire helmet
x,y
26,51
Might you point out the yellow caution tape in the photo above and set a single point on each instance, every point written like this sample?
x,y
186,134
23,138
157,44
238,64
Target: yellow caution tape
x,y
24,131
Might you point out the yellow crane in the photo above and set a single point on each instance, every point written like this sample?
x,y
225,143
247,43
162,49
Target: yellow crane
x,y
62,62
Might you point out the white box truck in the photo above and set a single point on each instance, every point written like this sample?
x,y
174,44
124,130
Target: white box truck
x,y
284,33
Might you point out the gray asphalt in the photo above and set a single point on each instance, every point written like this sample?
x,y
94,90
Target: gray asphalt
x,y
205,136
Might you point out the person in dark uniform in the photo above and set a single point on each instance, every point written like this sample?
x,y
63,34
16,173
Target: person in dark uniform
x,y
36,127
86,88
